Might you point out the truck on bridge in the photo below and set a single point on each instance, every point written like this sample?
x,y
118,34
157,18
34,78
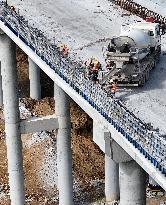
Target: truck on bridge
x,y
130,56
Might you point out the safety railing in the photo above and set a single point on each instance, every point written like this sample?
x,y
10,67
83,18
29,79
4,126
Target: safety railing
x,y
141,11
149,143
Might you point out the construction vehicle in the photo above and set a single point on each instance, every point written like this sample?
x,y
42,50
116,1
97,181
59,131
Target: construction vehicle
x,y
130,56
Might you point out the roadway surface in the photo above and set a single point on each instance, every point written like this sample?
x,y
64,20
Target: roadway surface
x,y
82,24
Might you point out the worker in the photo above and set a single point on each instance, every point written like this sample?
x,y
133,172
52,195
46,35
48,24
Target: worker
x,y
93,65
64,50
13,8
113,87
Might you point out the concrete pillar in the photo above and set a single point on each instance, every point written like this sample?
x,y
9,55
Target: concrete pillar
x,y
64,154
1,92
12,120
34,77
132,184
111,179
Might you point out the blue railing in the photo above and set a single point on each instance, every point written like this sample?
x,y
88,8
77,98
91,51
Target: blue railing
x,y
149,143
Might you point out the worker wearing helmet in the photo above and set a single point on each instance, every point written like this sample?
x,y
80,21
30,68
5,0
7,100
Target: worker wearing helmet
x,y
93,65
94,70
96,65
63,49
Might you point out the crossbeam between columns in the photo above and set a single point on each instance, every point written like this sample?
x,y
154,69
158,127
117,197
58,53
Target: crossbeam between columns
x,y
38,124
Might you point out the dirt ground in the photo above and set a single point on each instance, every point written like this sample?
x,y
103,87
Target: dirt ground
x,y
88,160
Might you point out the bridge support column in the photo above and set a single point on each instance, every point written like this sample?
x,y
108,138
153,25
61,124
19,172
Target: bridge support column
x,y
64,154
34,77
111,179
1,92
12,120
132,184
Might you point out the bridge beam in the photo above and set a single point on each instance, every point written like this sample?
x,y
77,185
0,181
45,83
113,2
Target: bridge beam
x,y
1,92
12,120
34,77
132,184
64,154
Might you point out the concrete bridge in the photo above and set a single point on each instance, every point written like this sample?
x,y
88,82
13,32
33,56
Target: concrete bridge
x,y
131,150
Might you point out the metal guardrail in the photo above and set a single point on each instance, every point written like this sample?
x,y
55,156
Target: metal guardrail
x,y
150,143
141,11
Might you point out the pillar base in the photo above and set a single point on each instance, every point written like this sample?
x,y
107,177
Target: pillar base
x,y
132,184
111,180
